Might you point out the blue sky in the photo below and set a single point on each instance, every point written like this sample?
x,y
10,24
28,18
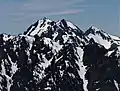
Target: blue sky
x,y
17,15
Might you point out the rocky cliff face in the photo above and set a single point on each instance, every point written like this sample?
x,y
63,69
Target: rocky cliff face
x,y
58,56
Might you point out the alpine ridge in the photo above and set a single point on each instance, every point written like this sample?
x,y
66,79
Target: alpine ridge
x,y
59,56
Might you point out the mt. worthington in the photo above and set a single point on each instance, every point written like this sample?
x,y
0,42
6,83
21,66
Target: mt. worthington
x,y
59,56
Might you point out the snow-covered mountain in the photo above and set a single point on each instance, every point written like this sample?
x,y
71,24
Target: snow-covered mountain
x,y
59,56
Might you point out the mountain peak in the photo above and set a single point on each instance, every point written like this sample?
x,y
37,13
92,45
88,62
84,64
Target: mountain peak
x,y
45,24
38,27
58,56
95,28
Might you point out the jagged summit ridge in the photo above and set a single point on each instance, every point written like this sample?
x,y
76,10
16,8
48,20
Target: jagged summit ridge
x,y
58,56
44,25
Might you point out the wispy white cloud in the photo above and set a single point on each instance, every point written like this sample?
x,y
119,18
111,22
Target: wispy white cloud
x,y
23,13
39,14
69,12
74,11
34,5
38,8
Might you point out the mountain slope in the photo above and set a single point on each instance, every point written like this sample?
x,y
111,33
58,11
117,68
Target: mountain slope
x,y
58,56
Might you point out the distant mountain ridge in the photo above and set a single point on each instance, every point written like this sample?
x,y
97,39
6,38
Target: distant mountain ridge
x,y
59,56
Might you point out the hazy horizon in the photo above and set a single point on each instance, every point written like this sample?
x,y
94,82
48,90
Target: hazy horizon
x,y
16,16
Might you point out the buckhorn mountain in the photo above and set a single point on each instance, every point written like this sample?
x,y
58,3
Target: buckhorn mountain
x,y
59,56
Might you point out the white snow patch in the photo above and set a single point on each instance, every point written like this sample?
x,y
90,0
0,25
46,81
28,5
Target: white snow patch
x,y
99,40
55,45
82,71
98,89
29,39
48,88
30,30
116,84
94,28
119,48
9,79
114,37
38,30
59,58
110,52
69,24
6,38
46,62
61,73
0,81
55,35
43,65
71,75
13,71
65,38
